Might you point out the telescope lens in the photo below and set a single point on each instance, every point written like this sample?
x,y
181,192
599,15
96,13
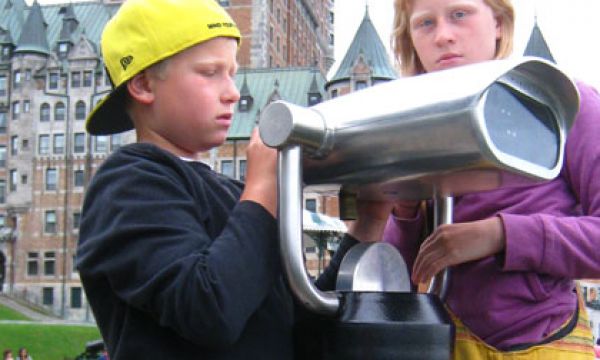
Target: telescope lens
x,y
520,126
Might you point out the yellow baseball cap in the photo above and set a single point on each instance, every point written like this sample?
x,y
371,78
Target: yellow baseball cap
x,y
142,33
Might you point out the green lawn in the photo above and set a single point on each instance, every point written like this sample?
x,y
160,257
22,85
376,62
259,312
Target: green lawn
x,y
9,314
44,342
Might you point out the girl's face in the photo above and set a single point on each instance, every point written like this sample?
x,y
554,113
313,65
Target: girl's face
x,y
450,33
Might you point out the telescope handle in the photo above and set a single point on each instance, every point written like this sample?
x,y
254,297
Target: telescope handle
x,y
290,233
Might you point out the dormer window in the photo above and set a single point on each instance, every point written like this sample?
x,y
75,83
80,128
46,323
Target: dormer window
x,y
314,98
245,103
63,48
5,52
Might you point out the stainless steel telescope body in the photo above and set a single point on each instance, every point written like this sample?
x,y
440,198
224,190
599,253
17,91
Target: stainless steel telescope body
x,y
477,127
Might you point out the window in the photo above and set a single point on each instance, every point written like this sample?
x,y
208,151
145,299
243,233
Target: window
x,y
2,191
50,222
87,78
59,111
32,263
44,144
27,74
75,79
63,48
80,110
76,220
15,110
227,167
17,79
311,205
244,104
361,85
78,178
51,179
101,145
53,81
49,263
314,98
45,112
3,85
76,298
59,144
26,106
79,143
224,2
25,144
13,178
242,170
116,141
3,122
24,179
14,145
334,93
48,296
2,156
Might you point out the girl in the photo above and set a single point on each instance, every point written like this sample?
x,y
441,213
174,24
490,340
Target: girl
x,y
514,252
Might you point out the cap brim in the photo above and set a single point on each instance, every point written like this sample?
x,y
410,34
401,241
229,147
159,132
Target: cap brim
x,y
109,115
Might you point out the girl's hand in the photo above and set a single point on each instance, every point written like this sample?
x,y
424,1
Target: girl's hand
x,y
372,215
453,244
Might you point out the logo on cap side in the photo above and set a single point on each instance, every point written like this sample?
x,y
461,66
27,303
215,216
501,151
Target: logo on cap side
x,y
126,61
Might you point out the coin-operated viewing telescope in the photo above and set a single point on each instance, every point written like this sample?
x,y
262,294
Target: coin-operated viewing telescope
x,y
478,127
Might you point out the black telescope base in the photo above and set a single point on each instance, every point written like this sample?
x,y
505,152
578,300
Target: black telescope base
x,y
375,325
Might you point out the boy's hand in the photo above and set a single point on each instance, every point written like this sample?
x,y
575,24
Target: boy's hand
x,y
261,174
453,244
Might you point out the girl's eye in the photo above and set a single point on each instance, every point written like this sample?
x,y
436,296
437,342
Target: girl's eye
x,y
424,23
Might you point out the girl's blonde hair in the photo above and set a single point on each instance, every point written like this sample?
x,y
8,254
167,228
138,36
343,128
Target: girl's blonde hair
x,y
405,54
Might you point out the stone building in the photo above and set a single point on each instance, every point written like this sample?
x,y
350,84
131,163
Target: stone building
x,y
51,75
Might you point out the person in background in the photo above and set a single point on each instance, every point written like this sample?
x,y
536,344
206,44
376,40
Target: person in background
x,y
7,354
514,253
23,354
177,260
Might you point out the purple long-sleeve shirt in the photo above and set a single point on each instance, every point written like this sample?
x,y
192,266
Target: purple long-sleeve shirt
x,y
552,237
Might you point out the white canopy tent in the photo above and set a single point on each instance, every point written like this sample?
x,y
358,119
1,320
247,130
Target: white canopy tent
x,y
312,221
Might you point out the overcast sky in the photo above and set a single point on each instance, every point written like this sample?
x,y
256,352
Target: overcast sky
x,y
571,28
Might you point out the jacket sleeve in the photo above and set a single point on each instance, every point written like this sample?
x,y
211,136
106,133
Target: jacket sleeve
x,y
565,246
145,231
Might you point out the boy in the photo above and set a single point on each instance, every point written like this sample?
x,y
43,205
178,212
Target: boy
x,y
177,261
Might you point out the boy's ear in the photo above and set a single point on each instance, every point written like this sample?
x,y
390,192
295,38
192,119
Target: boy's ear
x,y
140,89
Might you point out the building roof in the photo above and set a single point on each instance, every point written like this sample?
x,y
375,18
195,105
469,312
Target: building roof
x,y
39,28
33,32
289,84
537,46
11,19
368,43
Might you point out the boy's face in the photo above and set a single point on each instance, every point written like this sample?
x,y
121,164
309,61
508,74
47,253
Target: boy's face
x,y
192,104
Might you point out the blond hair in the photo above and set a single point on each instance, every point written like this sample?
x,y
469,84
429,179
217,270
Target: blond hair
x,y
404,51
